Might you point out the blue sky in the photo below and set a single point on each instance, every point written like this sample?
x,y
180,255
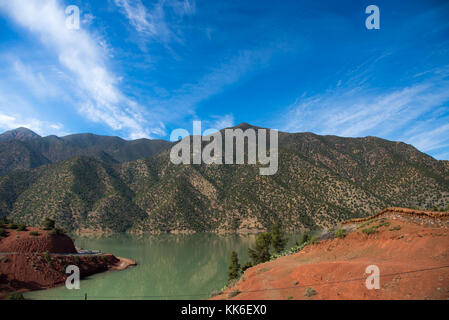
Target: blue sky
x,y
140,68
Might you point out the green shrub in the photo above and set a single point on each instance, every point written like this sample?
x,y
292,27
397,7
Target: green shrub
x,y
370,230
47,256
48,224
396,228
56,232
22,227
340,233
15,296
305,237
366,223
233,293
3,232
12,226
383,224
216,293
34,233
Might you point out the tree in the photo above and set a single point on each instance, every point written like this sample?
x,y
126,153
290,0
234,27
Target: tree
x,y
246,266
277,238
48,224
305,238
234,267
261,251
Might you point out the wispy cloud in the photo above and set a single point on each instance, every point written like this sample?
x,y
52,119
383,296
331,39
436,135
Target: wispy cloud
x,y
82,55
219,122
417,114
9,122
34,80
223,74
152,22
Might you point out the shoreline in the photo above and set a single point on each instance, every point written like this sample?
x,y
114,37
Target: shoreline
x,y
119,265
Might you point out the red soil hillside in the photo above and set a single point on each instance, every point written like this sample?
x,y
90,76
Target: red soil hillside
x,y
411,249
23,241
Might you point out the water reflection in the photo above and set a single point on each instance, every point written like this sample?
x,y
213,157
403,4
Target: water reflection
x,y
170,267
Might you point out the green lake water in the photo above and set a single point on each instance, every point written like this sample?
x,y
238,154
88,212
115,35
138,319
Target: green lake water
x,y
169,267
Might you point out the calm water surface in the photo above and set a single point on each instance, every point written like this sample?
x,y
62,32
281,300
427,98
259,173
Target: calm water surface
x,y
169,267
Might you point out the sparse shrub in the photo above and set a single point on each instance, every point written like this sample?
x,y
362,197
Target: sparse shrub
x,y
310,292
340,233
15,296
48,224
216,293
12,226
4,220
370,230
383,224
305,237
3,232
314,240
366,223
233,293
77,259
34,233
56,232
47,256
396,228
22,227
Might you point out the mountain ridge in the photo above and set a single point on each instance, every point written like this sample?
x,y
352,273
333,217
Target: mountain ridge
x,y
22,149
321,181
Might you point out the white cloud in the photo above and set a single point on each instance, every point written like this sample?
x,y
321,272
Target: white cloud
x,y
84,57
34,80
219,122
9,122
224,74
137,15
416,114
152,22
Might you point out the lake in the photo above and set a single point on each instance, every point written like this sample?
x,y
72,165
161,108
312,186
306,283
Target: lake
x,y
169,266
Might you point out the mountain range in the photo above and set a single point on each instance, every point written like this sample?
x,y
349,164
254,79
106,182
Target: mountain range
x,y
90,183
23,149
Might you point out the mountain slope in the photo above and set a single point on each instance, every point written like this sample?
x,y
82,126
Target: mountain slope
x,y
23,149
321,180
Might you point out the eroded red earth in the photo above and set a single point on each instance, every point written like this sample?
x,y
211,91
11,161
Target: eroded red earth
x,y
335,269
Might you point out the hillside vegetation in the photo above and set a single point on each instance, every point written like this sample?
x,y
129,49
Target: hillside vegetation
x,y
321,180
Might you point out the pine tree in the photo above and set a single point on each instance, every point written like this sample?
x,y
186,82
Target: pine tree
x,y
261,251
277,238
305,238
234,267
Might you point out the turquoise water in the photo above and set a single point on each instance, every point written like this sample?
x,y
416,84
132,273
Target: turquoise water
x,y
169,267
